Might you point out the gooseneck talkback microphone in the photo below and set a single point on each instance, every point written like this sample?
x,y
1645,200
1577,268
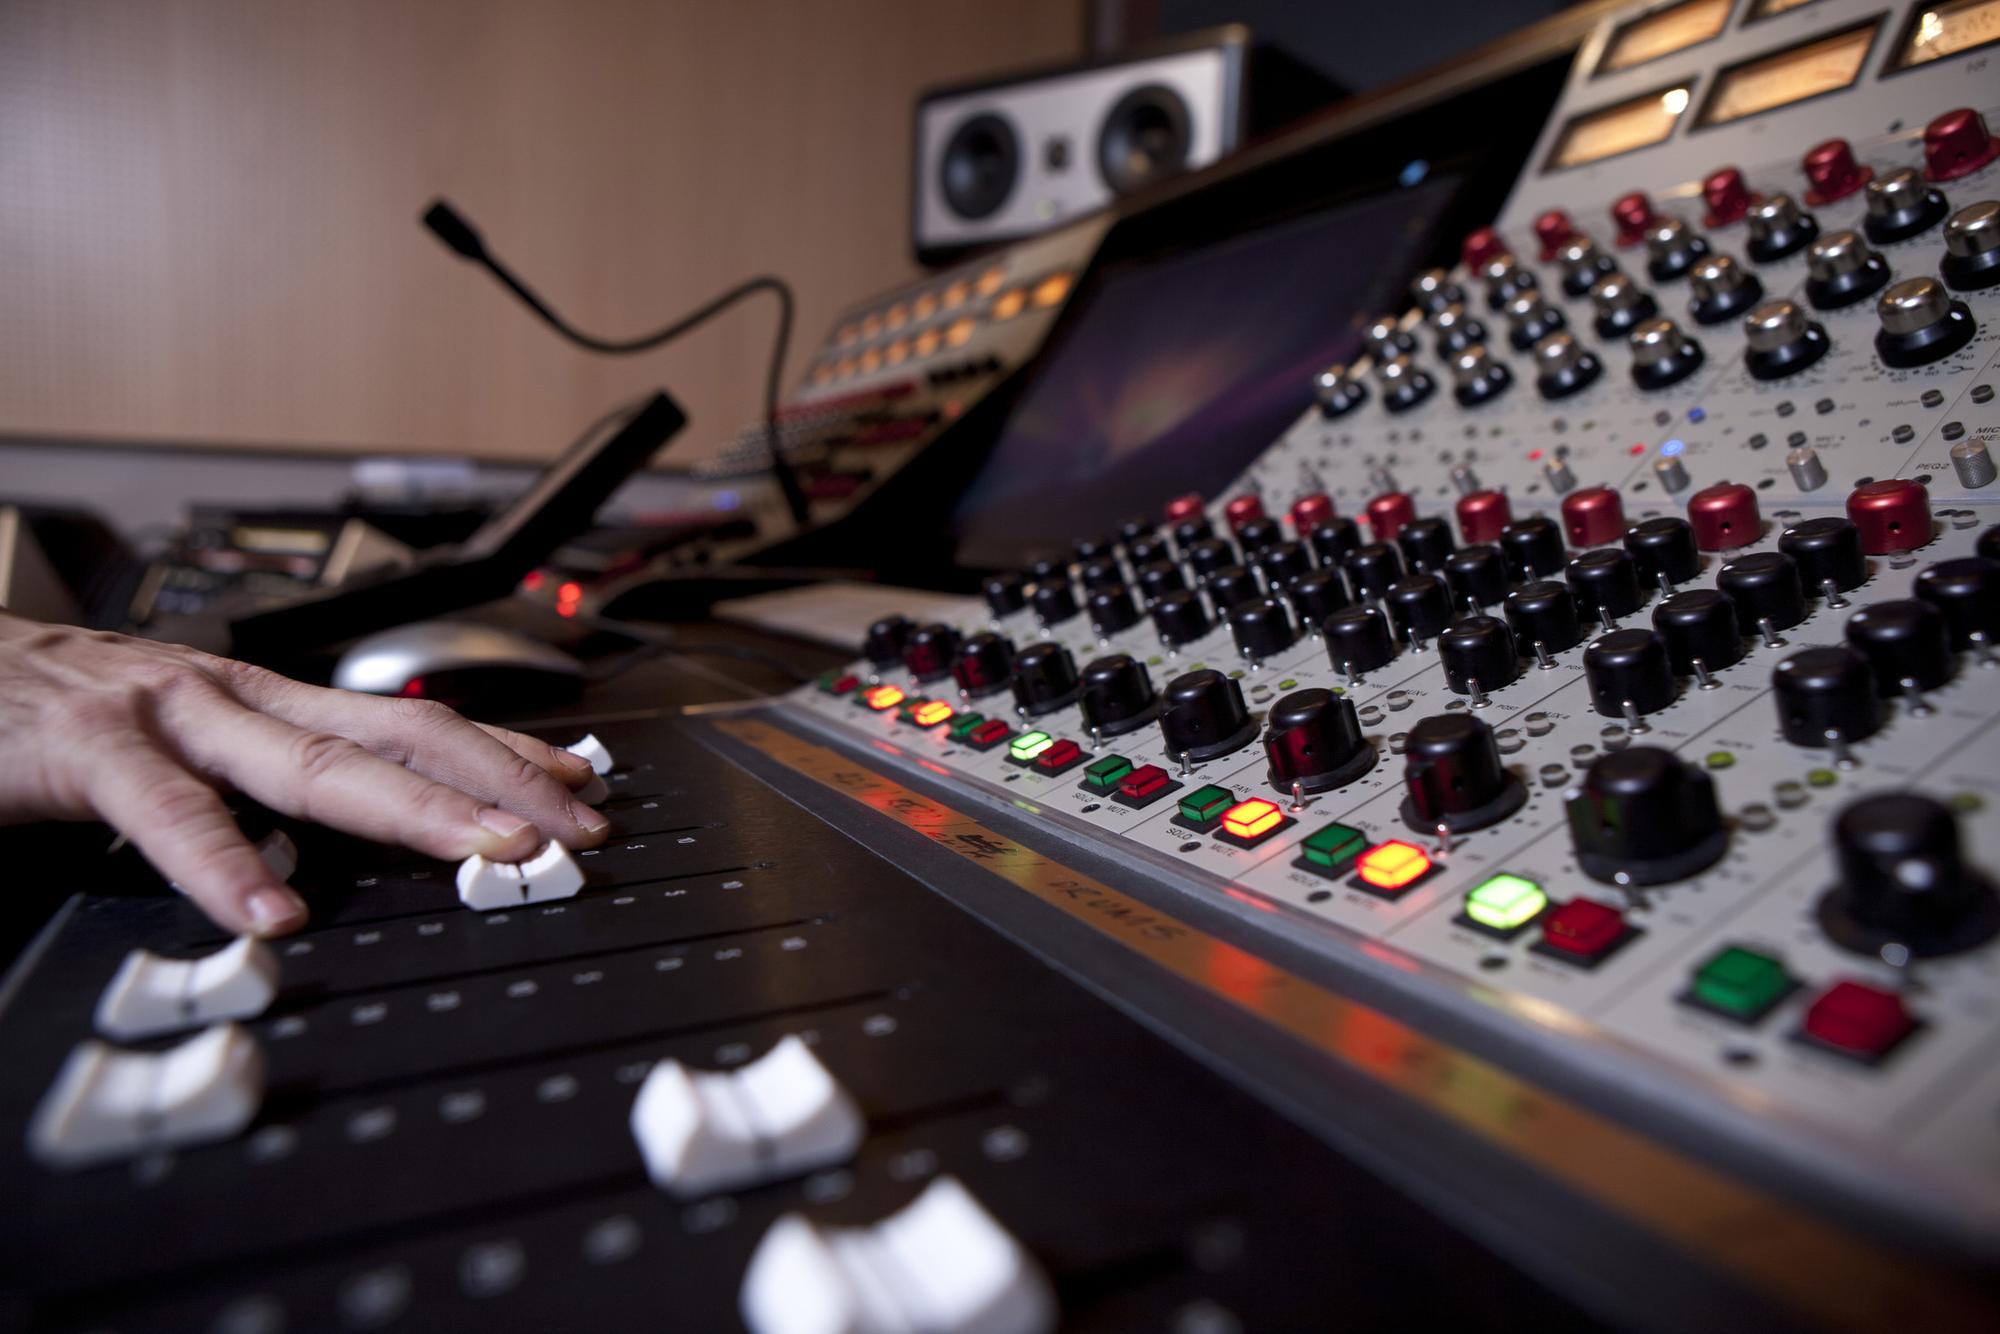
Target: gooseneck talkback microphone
x,y
451,228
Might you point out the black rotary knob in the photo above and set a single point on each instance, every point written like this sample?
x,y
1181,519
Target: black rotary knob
x,y
1209,555
1283,562
1257,534
1663,546
1053,603
1764,585
1116,695
1533,547
1049,570
1204,716
1544,613
1134,528
1371,568
1231,585
1628,667
1262,628
1358,640
1160,578
1101,572
1180,618
984,664
1454,777
1605,581
1427,543
1477,574
1313,739
1332,540
1826,549
884,641
929,651
1643,816
1989,543
1967,592
1317,596
1906,643
1826,695
1699,625
1005,593
1904,881
1112,609
1087,549
1419,607
1192,530
1044,679
1478,655
1147,549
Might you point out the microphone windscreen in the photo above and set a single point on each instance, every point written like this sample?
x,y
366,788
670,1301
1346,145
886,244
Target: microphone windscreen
x,y
453,230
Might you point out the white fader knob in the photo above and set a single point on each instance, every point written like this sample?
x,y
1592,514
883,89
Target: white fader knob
x,y
590,748
108,1103
782,1115
941,1265
550,874
151,995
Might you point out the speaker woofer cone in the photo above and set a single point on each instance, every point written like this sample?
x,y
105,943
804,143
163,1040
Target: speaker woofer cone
x,y
1145,136
981,163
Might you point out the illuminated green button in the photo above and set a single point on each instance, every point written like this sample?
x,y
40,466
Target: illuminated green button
x,y
1821,777
1030,744
1105,773
1206,803
1741,983
1720,759
964,723
1334,845
1505,902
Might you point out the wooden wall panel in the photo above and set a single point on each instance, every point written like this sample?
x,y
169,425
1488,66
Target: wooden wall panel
x,y
208,207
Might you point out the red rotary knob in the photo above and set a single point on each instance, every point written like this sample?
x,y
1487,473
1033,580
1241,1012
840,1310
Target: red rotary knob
x,y
1593,516
1727,197
1957,144
1483,514
1481,248
1724,517
1242,510
1632,213
1551,230
1188,506
1832,173
1893,515
1309,512
1387,514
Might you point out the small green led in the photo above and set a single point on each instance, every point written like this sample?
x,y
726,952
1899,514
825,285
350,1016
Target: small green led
x,y
1030,744
1288,684
1334,845
1741,983
1720,759
964,723
1206,803
1505,902
1967,803
1821,778
1103,775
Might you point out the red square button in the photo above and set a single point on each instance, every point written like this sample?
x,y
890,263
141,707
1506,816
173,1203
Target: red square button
x,y
1583,928
1143,782
1858,1020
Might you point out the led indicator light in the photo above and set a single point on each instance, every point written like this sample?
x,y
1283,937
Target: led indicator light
x,y
988,734
1143,782
1583,929
1104,774
1059,756
1636,450
965,723
879,698
1205,803
1392,865
1030,744
1858,1020
1672,447
1252,819
1697,414
1535,455
1332,846
931,712
1505,902
1740,983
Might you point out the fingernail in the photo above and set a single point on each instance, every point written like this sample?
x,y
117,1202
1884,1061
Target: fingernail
x,y
504,823
591,821
573,763
274,911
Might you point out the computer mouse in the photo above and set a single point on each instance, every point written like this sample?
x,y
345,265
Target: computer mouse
x,y
461,663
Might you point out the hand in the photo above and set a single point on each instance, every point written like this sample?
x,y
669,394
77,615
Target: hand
x,y
144,735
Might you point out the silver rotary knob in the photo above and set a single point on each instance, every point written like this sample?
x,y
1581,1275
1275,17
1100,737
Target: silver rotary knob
x,y
1337,391
1506,279
1621,304
1672,474
1842,269
1476,376
1780,340
1563,366
1662,354
1582,264
1530,319
1465,479
1972,246
1721,288
1457,329
1404,383
1672,247
1387,339
1920,323
1433,290
1900,205
1808,472
1973,462
1778,227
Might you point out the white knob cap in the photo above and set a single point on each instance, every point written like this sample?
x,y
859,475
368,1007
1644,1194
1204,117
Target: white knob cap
x,y
109,1103
151,995
550,874
590,748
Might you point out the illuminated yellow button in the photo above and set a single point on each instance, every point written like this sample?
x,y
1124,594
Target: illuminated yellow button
x,y
1252,819
1505,902
1392,865
930,713
879,698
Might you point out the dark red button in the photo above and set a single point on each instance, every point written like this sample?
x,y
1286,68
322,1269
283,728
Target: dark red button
x,y
1593,516
1242,510
1632,214
1388,513
1483,514
1832,173
1858,1020
1309,512
1188,506
988,734
1957,144
1481,248
1144,781
1551,230
1724,516
1727,197
1060,756
1583,928
843,685
1893,515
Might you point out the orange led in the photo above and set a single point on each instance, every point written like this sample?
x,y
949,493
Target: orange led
x,y
879,698
871,359
959,333
1392,865
930,713
1252,819
1051,289
926,342
570,591
1009,305
954,295
899,315
923,307
898,352
989,281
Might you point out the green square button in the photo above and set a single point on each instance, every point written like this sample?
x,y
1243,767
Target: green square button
x,y
965,722
1505,902
1206,803
1332,846
1103,775
1741,983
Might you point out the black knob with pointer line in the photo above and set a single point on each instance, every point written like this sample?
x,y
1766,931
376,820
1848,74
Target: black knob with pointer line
x,y
1116,696
1904,881
1317,596
1628,674
1261,628
883,644
1314,743
1477,574
984,665
1180,619
1826,697
1054,603
1044,679
1478,654
1203,716
1663,546
1827,551
1906,642
1699,626
1005,593
1643,816
1358,640
1544,613
1454,776
1111,609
